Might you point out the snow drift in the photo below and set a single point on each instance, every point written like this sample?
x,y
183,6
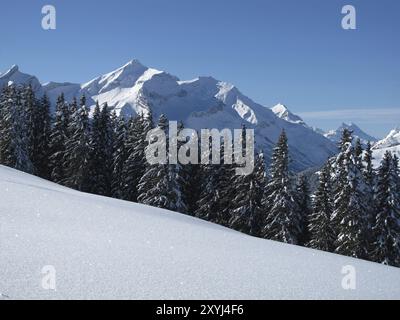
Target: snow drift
x,y
107,249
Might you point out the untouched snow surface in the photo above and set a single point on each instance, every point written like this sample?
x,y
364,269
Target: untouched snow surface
x,y
106,249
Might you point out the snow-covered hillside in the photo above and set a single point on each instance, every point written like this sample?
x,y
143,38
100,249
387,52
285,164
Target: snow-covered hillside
x,y
390,143
104,248
335,135
200,103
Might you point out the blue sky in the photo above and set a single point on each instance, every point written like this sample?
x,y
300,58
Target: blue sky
x,y
288,51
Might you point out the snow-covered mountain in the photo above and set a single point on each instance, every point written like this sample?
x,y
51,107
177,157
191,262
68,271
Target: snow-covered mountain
x,y
284,113
103,248
390,143
335,135
200,103
14,76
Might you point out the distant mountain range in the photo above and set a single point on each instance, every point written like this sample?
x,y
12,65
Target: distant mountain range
x,y
203,102
380,147
335,135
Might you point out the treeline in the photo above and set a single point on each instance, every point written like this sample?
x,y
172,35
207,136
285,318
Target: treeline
x,y
355,210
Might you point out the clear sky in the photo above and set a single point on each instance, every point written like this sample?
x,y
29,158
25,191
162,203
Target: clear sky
x,y
276,51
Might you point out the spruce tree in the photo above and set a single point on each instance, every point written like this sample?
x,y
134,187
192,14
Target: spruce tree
x,y
42,136
135,164
321,232
217,183
206,206
282,222
358,155
370,204
31,111
58,138
179,179
77,152
247,210
155,187
387,225
349,217
119,157
303,201
14,142
101,154
192,187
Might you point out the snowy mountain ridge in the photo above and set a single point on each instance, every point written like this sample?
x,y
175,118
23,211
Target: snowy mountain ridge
x,y
390,143
284,113
103,248
392,140
335,135
203,102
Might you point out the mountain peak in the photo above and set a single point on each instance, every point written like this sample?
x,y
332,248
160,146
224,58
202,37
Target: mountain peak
x,y
284,113
14,69
335,135
16,77
132,63
280,107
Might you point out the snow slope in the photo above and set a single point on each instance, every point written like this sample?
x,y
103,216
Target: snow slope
x,y
390,143
335,135
103,249
200,103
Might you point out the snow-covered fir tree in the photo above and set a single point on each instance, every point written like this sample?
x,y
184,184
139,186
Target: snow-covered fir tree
x,y
248,214
217,182
30,111
303,202
78,148
155,187
358,155
179,179
119,157
101,151
370,204
387,225
14,142
282,223
43,134
321,232
135,164
349,216
58,138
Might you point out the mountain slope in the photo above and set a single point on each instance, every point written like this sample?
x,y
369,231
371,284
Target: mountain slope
x,y
390,143
103,249
335,135
200,103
